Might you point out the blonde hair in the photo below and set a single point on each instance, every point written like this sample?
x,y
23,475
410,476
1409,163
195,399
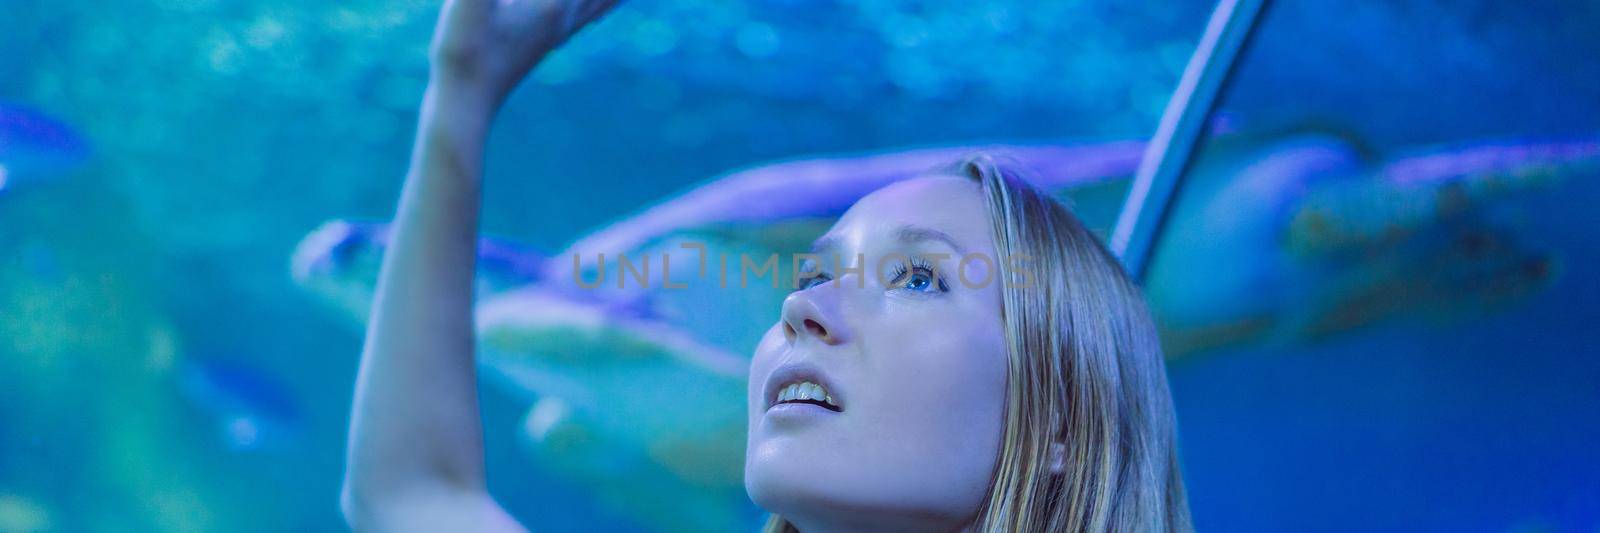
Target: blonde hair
x,y
1085,374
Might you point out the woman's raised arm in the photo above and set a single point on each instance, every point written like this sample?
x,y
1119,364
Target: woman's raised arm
x,y
415,455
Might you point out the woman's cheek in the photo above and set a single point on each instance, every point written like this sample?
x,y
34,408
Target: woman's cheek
x,y
761,364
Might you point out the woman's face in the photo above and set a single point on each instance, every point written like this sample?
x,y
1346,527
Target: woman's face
x,y
904,364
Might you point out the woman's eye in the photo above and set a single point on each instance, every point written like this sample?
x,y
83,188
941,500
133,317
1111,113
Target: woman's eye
x,y
806,283
919,279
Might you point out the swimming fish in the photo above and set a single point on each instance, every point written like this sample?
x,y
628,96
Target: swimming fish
x,y
339,262
823,187
1416,189
1308,237
35,147
252,410
649,417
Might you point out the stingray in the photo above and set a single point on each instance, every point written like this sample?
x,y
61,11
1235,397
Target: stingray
x,y
35,147
824,187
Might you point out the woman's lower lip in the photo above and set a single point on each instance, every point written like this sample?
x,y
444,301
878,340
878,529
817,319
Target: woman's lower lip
x,y
794,411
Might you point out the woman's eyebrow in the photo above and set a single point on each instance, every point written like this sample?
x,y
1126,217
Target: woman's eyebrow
x,y
909,234
824,243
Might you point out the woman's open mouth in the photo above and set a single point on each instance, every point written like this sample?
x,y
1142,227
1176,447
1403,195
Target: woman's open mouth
x,y
806,392
798,388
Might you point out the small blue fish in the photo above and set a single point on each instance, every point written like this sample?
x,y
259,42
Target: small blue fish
x,y
252,410
340,261
35,147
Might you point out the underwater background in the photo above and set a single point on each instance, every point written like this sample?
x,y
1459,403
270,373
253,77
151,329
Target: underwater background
x,y
1379,288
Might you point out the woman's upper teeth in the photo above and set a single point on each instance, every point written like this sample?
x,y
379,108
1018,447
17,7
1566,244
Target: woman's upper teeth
x,y
805,390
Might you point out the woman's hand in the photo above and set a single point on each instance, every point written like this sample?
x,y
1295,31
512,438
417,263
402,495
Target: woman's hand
x,y
482,48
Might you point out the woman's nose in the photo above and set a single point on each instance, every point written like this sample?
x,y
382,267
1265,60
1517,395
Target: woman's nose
x,y
813,313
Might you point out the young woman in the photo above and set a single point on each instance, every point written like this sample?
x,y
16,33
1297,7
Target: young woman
x,y
1024,392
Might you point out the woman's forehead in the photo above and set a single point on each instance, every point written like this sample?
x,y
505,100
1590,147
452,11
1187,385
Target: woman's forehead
x,y
927,208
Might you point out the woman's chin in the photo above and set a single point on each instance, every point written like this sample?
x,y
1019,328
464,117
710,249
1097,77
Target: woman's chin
x,y
785,476
817,486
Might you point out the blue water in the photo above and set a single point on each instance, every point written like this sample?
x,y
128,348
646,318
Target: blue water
x,y
221,133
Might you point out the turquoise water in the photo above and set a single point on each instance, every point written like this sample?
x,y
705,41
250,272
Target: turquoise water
x,y
160,371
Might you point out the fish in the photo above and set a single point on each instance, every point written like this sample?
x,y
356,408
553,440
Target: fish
x,y
35,147
252,410
825,186
340,259
1429,186
1308,237
637,410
